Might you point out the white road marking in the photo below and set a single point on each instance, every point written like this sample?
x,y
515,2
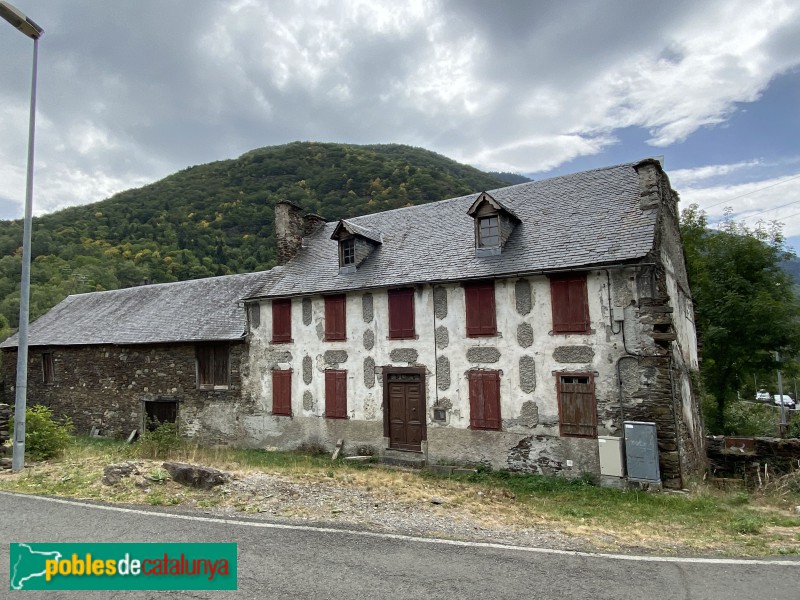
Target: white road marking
x,y
413,538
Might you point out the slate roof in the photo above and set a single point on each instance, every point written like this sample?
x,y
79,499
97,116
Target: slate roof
x,y
373,236
572,221
185,311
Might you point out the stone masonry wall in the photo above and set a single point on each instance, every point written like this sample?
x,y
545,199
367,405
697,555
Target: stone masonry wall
x,y
106,386
5,415
754,460
666,352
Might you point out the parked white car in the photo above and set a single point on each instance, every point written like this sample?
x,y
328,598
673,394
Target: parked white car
x,y
787,401
763,396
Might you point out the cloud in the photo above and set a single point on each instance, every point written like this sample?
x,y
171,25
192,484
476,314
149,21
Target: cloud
x,y
132,92
687,177
774,199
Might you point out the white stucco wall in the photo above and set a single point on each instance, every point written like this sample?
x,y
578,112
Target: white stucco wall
x,y
529,409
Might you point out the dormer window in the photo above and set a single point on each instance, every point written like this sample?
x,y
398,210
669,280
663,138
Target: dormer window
x,y
489,232
356,243
493,225
347,252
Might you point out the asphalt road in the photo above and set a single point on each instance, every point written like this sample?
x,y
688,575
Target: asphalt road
x,y
279,561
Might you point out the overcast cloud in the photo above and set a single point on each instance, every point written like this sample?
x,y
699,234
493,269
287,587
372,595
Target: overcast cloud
x,y
130,92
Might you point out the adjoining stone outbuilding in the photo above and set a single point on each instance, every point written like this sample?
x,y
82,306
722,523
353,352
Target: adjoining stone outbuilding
x,y
116,360
510,328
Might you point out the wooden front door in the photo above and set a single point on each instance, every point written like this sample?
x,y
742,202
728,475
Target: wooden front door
x,y
406,411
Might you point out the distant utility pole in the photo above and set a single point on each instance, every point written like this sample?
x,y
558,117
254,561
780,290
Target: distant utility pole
x,y
783,425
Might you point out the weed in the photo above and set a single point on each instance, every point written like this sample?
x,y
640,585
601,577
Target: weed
x,y
161,442
158,474
156,498
739,499
44,437
747,524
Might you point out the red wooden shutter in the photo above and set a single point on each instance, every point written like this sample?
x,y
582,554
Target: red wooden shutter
x,y
282,320
484,400
481,319
335,318
282,392
577,409
570,304
401,314
336,394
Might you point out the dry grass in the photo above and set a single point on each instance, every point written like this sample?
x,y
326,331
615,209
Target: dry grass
x,y
704,520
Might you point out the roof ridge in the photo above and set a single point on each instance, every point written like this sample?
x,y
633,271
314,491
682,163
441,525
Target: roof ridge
x,y
504,188
169,283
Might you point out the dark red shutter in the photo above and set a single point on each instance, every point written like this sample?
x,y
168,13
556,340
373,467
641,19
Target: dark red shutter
x,y
484,400
479,299
401,314
282,392
282,320
335,318
336,394
577,408
570,304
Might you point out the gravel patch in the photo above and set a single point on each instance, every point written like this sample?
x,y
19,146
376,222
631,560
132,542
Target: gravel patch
x,y
278,498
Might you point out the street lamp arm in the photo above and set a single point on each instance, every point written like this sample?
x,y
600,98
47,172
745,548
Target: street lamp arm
x,y
18,19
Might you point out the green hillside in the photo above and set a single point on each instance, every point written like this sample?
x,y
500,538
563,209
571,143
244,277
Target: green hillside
x,y
217,218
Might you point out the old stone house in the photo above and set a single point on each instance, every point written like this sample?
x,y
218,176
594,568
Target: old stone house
x,y
512,328
116,360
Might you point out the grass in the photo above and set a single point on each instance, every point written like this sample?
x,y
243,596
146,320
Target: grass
x,y
704,520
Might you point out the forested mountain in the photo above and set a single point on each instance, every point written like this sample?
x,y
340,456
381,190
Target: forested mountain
x,y
510,178
217,218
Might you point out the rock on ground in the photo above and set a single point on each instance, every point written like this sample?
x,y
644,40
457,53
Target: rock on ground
x,y
196,475
112,474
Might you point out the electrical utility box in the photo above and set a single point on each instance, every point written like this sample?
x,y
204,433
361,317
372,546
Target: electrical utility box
x,y
641,451
611,460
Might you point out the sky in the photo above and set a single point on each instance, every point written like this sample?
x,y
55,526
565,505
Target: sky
x,y
130,92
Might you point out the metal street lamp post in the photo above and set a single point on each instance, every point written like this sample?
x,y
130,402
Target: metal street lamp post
x,y
33,31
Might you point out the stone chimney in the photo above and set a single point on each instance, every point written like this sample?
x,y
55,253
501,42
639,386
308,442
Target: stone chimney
x,y
312,223
290,227
650,175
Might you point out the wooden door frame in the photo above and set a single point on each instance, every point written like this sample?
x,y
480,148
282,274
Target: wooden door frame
x,y
421,372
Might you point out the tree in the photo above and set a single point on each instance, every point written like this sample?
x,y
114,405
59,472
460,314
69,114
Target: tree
x,y
745,307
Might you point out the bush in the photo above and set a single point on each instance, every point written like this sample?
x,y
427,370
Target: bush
x,y
44,437
751,419
159,442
